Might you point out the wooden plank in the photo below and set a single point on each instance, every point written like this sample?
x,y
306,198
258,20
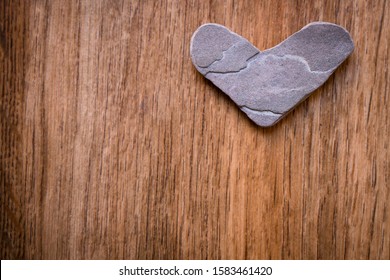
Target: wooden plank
x,y
114,147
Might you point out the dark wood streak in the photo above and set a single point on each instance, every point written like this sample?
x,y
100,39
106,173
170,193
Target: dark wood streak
x,y
113,146
13,51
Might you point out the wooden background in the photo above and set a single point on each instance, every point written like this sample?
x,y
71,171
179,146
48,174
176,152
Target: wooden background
x,y
114,147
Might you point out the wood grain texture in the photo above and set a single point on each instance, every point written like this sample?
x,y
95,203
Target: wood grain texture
x,y
113,146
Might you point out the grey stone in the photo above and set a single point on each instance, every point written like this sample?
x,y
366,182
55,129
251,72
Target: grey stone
x,y
267,85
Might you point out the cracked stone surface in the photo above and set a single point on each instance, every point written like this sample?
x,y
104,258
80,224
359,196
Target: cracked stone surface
x,y
267,85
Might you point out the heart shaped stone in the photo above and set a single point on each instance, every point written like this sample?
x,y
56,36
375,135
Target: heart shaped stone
x,y
267,85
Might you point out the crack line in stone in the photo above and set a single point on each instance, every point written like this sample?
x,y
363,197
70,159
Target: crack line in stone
x,y
299,59
226,72
248,60
251,59
259,111
223,55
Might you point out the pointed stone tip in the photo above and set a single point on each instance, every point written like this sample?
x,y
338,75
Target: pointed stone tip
x,y
262,118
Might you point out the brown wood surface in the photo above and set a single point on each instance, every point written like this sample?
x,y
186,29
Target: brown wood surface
x,y
114,147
